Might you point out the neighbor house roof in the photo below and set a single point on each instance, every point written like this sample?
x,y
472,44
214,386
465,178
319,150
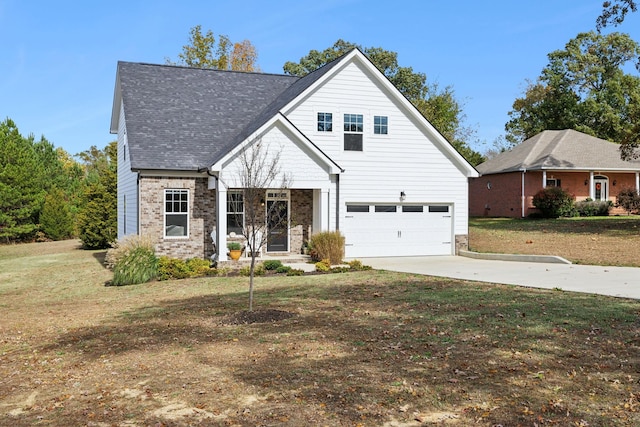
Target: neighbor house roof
x,y
181,118
559,150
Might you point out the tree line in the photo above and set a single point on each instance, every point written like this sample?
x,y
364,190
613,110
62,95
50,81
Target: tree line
x,y
46,194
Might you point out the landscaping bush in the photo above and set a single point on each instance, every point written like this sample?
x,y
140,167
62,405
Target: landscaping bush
x,y
554,202
198,267
356,265
172,268
591,207
629,200
327,245
283,269
295,272
259,270
323,266
272,264
138,265
125,245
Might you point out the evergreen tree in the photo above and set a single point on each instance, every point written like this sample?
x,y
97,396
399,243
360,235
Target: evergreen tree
x,y
97,220
56,219
21,195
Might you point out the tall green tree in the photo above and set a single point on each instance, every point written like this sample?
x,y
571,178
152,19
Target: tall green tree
x,y
437,105
21,193
56,218
203,52
584,87
97,220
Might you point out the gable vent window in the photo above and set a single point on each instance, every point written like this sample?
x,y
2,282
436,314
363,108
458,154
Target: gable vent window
x,y
325,122
353,128
380,125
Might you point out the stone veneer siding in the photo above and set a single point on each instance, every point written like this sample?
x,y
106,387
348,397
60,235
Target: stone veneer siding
x,y
462,243
301,219
202,217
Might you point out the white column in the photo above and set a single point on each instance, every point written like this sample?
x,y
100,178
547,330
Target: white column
x,y
544,179
320,210
221,225
638,181
592,188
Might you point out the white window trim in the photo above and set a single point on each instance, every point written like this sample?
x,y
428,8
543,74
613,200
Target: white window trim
x,y
164,216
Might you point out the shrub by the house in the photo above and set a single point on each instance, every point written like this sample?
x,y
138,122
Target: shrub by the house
x,y
327,245
554,202
590,207
138,265
629,200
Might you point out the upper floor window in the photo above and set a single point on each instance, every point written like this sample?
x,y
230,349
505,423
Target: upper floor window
x,y
325,122
176,213
353,128
380,125
235,212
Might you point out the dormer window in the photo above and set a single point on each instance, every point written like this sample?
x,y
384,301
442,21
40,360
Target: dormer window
x,y
353,129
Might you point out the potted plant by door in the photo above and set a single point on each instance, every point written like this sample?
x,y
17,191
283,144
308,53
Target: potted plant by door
x,y
235,250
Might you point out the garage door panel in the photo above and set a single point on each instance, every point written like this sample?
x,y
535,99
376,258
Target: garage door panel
x,y
401,233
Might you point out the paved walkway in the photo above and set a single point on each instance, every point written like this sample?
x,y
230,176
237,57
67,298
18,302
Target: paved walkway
x,y
613,281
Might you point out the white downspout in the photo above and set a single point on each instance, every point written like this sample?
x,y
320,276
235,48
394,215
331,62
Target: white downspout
x,y
523,195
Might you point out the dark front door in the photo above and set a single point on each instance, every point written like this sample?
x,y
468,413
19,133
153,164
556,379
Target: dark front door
x,y
277,226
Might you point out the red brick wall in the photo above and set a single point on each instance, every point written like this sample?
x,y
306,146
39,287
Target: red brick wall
x,y
504,197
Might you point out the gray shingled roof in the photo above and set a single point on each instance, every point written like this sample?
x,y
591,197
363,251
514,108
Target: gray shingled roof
x,y
181,118
557,150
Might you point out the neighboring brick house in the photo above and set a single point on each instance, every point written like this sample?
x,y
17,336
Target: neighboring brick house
x,y
585,166
359,156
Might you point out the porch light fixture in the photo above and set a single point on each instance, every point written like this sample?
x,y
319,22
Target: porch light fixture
x,y
586,182
261,202
614,182
402,196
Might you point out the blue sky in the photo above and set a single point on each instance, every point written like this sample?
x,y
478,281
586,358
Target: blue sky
x,y
58,62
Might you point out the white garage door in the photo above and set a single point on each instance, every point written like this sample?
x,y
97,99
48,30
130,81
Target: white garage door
x,y
398,230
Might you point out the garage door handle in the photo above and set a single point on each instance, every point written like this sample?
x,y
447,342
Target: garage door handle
x,y
349,216
399,234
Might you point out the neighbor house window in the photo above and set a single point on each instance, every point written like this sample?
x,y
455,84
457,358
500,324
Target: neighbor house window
x,y
325,122
353,128
553,183
176,213
380,125
235,212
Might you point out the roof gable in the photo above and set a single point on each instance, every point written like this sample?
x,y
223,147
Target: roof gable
x,y
559,149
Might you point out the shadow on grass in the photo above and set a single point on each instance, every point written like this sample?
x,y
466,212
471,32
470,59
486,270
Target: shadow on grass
x,y
366,344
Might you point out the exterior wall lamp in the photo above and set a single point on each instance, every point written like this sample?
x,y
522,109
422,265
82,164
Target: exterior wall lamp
x,y
402,196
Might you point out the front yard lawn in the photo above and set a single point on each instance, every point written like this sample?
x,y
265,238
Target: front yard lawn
x,y
596,240
355,349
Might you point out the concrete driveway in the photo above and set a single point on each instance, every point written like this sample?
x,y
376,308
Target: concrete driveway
x,y
613,281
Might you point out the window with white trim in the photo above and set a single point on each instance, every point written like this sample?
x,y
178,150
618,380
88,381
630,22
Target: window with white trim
x,y
176,213
380,125
353,129
325,122
235,212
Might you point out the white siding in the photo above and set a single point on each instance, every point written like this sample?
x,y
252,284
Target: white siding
x,y
407,159
302,168
127,184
